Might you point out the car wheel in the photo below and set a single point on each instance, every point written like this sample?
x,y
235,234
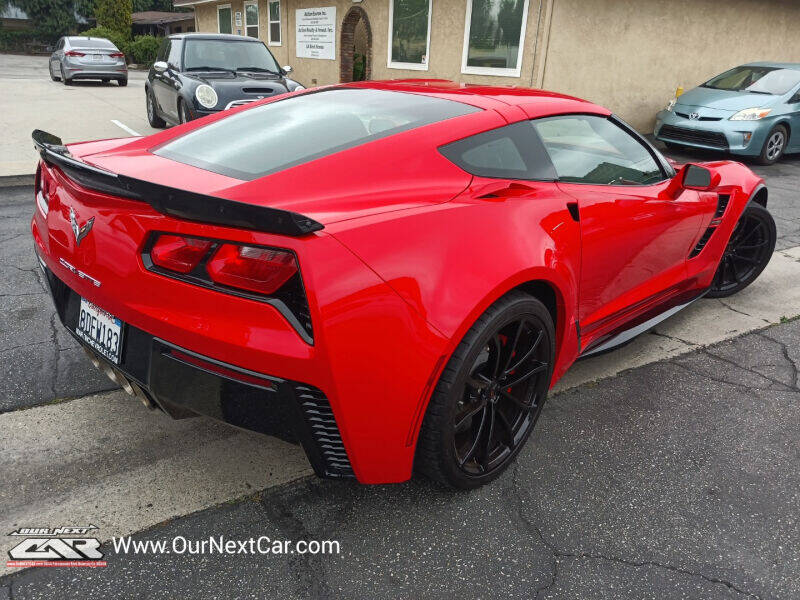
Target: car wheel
x,y
183,112
122,82
52,76
105,80
774,145
152,113
489,395
64,77
747,254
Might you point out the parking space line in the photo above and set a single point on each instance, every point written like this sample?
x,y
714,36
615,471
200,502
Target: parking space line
x,y
126,128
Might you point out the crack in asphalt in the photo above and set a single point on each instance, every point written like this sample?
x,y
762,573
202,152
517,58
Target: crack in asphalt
x,y
517,493
308,575
673,338
785,350
751,370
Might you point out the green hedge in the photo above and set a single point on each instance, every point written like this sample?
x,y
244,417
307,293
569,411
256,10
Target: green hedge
x,y
144,49
12,40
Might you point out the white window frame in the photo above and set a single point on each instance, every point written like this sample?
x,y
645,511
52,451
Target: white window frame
x,y
258,16
403,65
270,41
228,6
499,72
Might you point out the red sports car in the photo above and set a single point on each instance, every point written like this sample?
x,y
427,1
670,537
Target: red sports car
x,y
391,273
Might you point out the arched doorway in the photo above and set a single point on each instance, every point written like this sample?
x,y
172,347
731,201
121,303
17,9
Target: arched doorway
x,y
355,46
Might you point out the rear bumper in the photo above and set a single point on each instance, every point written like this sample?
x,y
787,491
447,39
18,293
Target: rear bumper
x,y
183,383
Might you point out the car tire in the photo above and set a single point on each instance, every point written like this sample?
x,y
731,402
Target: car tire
x,y
105,80
122,82
774,145
64,77
747,254
479,416
152,112
53,77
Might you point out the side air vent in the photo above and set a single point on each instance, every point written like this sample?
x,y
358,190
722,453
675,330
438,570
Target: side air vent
x,y
702,243
722,204
325,432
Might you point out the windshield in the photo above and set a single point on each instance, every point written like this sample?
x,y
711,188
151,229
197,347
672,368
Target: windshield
x,y
298,129
90,43
758,80
227,55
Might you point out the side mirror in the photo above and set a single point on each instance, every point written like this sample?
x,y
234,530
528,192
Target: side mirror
x,y
701,179
160,66
287,69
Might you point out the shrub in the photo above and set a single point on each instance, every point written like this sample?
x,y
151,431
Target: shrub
x,y
144,49
119,39
114,14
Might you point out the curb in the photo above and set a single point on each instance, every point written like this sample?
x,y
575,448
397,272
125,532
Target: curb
x,y
7,181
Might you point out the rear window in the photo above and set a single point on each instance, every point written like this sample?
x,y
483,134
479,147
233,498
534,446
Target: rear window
x,y
90,43
276,136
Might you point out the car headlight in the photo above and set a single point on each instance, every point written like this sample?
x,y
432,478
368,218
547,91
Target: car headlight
x,y
298,87
751,114
669,106
206,96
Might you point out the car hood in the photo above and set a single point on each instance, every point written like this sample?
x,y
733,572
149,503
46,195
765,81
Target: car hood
x,y
231,87
723,99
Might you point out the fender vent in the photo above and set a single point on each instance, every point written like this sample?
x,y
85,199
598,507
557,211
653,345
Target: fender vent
x,y
702,243
325,432
722,204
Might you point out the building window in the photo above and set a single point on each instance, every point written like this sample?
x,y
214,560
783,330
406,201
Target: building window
x,y
494,33
409,34
224,23
274,7
251,19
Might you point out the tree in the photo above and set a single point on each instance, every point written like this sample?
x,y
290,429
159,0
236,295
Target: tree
x,y
114,14
143,5
52,18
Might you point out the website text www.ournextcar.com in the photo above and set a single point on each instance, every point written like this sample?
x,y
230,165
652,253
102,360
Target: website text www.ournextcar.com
x,y
220,545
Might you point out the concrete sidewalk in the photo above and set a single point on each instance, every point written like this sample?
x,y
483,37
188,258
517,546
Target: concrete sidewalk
x,y
674,480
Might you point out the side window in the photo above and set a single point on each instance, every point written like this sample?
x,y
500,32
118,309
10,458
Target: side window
x,y
162,50
796,98
510,152
174,56
594,150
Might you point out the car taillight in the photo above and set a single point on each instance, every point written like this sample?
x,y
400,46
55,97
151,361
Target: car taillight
x,y
74,53
260,273
44,187
116,55
178,253
261,270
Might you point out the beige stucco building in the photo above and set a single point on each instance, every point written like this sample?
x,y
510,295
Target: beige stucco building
x,y
629,55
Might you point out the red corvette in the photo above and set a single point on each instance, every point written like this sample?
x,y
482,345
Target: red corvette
x,y
391,273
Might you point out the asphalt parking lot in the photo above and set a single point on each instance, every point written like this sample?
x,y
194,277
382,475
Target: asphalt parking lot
x,y
85,110
667,469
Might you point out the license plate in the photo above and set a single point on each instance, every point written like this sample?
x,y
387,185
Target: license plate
x,y
101,330
97,57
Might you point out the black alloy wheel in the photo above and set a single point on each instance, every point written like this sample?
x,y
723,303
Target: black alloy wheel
x,y
490,395
749,250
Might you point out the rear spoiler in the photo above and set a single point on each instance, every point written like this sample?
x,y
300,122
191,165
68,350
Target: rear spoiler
x,y
172,201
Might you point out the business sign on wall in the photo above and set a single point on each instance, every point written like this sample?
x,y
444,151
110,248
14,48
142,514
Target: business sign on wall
x,y
316,32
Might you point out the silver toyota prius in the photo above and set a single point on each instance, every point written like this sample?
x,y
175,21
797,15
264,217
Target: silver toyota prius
x,y
77,57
